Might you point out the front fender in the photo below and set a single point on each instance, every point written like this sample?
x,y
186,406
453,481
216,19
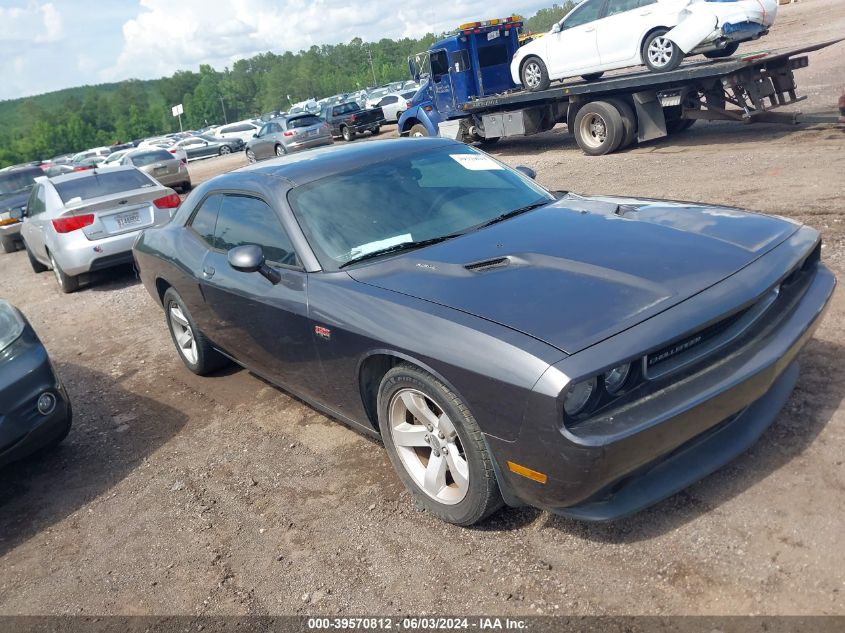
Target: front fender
x,y
416,114
693,29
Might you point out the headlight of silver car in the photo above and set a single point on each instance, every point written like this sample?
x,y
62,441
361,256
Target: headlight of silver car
x,y
11,325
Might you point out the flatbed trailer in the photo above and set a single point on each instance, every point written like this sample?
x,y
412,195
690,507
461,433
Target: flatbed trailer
x,y
609,114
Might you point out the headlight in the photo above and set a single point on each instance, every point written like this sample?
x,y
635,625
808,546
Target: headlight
x,y
615,378
11,325
579,396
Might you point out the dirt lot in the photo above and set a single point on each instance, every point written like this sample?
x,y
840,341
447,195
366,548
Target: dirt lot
x,y
179,494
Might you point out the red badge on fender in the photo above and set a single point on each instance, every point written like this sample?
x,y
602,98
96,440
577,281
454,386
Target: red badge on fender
x,y
323,332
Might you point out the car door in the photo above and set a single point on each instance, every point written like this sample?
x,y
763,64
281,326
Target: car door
x,y
261,145
34,224
389,105
620,31
262,325
573,49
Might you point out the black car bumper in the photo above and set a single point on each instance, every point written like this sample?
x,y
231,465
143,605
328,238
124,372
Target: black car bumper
x,y
26,374
691,430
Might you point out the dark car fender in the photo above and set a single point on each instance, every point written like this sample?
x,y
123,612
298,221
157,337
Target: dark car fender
x,y
418,114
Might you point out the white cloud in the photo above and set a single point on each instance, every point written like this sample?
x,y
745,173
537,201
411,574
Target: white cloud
x,y
35,21
167,36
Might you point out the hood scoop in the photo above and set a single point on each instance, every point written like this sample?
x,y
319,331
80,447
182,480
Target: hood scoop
x,y
488,264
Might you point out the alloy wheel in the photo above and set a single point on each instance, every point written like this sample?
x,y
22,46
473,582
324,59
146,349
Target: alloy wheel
x,y
533,74
225,150
279,150
428,446
250,155
660,51
183,334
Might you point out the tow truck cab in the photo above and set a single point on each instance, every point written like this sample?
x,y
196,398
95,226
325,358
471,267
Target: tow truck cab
x,y
472,63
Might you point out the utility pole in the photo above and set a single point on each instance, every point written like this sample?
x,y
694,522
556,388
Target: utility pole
x,y
373,68
225,120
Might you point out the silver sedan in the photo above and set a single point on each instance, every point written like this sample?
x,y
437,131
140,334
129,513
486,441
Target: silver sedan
x,y
88,220
288,134
159,163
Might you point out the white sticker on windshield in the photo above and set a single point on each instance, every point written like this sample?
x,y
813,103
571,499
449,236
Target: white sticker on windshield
x,y
372,247
475,162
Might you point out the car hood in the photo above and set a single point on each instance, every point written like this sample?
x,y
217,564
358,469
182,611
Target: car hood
x,y
11,201
582,269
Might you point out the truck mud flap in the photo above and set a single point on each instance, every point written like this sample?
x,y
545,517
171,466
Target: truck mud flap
x,y
651,123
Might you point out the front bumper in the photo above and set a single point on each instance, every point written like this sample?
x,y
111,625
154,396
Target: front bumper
x,y
25,374
10,231
697,426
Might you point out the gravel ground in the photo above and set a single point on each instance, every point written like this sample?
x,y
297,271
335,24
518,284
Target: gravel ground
x,y
224,495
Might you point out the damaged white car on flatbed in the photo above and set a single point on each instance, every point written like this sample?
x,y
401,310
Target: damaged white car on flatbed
x,y
601,35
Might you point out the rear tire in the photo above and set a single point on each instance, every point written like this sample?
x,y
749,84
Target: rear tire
x,y
186,186
599,128
436,447
347,133
629,121
418,131
194,349
661,54
67,283
534,74
37,267
225,149
729,50
375,131
280,151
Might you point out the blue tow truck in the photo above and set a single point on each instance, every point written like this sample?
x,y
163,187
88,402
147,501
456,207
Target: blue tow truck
x,y
467,93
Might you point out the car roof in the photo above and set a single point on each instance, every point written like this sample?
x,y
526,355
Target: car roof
x,y
300,168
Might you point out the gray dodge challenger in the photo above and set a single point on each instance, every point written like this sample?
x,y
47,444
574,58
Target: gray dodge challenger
x,y
586,355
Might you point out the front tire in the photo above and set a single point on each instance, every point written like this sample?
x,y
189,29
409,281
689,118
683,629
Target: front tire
x,y
418,131
194,349
729,50
250,156
436,447
225,149
660,53
67,283
534,75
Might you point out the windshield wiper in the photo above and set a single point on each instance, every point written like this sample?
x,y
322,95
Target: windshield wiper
x,y
396,248
515,212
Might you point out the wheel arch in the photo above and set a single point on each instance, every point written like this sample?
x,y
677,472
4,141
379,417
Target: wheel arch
x,y
646,35
162,286
372,369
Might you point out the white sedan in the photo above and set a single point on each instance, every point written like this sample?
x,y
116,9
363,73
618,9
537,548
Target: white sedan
x,y
601,35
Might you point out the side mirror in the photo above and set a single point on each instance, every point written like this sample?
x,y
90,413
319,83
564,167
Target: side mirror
x,y
556,28
412,68
18,214
255,135
249,258
527,171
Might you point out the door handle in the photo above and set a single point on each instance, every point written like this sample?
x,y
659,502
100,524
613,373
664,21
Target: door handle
x,y
207,272
646,13
590,30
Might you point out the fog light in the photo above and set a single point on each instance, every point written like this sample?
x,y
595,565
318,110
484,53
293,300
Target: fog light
x,y
46,403
579,396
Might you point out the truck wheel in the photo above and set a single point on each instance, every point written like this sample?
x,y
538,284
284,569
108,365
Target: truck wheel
x,y
592,76
534,75
599,128
660,53
490,141
629,121
375,131
418,131
729,50
346,133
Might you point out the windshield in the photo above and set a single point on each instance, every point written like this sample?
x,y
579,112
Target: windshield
x,y
422,197
104,183
18,181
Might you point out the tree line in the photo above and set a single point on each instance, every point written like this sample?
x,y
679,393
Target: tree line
x,y
78,118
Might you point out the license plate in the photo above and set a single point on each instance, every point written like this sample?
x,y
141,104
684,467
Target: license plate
x,y
128,219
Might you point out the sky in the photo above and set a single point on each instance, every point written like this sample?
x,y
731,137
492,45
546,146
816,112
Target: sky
x,y
50,45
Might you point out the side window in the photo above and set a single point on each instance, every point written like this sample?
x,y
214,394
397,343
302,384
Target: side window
x,y
387,101
264,131
439,64
37,203
205,219
275,128
459,60
245,220
620,6
645,3
587,12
